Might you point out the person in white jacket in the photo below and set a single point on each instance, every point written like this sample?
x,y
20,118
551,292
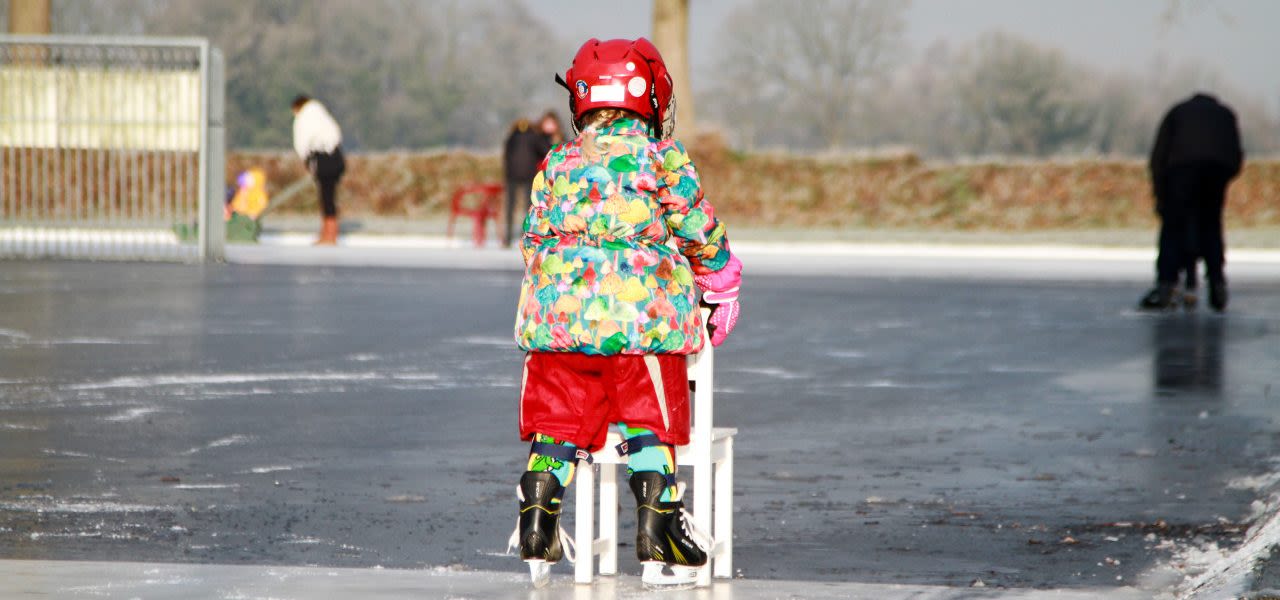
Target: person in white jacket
x,y
318,141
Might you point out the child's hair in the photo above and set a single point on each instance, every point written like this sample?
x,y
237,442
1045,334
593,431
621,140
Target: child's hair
x,y
604,117
299,100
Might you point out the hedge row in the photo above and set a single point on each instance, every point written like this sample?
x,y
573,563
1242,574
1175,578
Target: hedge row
x,y
797,191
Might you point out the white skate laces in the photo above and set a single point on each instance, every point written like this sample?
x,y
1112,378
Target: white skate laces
x,y
691,530
658,575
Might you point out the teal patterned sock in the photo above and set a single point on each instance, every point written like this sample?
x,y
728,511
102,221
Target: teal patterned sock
x,y
563,469
661,459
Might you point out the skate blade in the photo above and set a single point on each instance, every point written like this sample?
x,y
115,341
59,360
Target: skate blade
x,y
655,576
539,572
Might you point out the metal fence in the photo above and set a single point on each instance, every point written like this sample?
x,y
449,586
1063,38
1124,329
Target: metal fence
x,y
111,148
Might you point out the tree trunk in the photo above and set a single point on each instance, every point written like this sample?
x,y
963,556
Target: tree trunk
x,y
29,17
671,36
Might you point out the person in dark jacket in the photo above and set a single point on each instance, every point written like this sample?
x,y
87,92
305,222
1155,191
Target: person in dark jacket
x,y
521,154
1196,155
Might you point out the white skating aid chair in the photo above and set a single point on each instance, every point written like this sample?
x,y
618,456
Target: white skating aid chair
x,y
710,453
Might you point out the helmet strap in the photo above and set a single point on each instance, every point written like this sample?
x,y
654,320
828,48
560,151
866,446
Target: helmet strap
x,y
573,104
655,119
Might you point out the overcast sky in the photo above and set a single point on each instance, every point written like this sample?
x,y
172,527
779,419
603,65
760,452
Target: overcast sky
x,y
1238,38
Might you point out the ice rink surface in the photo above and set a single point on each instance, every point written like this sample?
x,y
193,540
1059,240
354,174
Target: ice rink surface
x,y
909,425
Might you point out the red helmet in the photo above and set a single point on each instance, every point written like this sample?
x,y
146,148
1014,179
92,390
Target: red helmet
x,y
627,74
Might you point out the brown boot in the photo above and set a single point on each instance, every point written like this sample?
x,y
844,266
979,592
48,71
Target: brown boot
x,y
328,232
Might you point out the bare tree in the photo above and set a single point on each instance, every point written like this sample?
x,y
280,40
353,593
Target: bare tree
x,y
806,71
671,36
29,16
396,73
1021,98
1177,10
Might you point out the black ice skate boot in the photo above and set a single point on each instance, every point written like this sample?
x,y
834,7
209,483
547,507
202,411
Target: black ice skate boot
x,y
665,536
1218,294
538,530
1162,297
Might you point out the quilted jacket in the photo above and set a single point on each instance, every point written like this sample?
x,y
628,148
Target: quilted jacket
x,y
617,228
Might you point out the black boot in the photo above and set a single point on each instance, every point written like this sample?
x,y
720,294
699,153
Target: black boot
x,y
1218,294
538,533
665,539
1161,297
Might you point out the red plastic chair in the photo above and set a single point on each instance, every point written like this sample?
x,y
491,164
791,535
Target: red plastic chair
x,y
481,211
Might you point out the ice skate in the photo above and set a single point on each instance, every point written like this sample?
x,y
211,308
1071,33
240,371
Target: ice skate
x,y
538,532
1162,297
1218,294
671,551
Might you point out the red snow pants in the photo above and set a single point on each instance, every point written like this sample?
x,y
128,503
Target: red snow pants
x,y
574,397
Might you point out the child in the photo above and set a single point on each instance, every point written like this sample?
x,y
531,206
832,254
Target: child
x,y
608,310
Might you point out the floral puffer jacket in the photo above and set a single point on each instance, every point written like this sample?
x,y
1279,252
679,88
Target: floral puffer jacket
x,y
601,274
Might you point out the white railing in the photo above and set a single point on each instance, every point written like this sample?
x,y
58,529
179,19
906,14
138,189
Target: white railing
x,y
111,148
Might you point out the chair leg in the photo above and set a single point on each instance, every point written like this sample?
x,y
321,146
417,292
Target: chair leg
x,y
609,519
584,521
724,513
702,506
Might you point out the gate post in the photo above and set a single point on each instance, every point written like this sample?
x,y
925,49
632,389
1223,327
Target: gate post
x,y
213,237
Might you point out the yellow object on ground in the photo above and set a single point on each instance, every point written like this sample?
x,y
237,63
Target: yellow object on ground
x,y
251,195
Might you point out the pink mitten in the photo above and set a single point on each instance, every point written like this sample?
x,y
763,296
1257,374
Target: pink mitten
x,y
724,317
720,289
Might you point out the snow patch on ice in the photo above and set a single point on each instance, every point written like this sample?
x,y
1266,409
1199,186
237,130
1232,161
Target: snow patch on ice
x,y
200,379
416,376
132,414
772,372
480,340
893,324
44,504
1016,369
231,440
75,341
1215,572
846,353
74,454
1255,483
269,469
14,334
304,540
206,486
886,383
881,383
35,535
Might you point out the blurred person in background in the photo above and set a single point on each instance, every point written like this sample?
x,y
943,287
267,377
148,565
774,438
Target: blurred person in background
x,y
550,126
521,155
318,141
1196,155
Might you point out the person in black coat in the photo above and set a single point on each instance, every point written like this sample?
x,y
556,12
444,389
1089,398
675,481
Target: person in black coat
x,y
521,154
1196,155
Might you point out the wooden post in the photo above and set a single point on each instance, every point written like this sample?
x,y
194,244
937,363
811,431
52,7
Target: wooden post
x,y
29,17
671,36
